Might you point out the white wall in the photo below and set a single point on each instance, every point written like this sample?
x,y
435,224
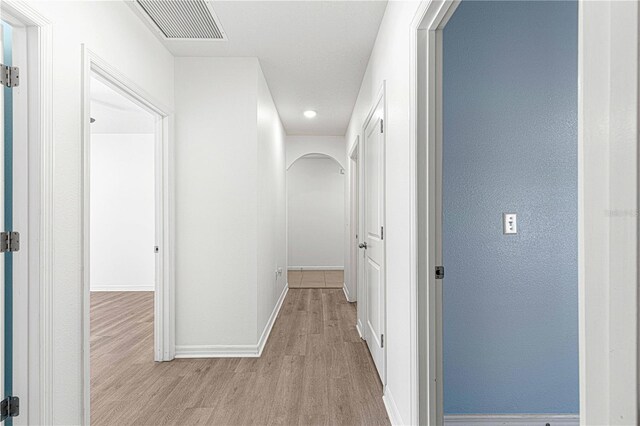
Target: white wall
x,y
271,249
216,201
229,193
122,212
608,203
389,62
333,146
315,215
138,54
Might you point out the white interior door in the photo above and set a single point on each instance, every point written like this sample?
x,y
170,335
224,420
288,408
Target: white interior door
x,y
373,238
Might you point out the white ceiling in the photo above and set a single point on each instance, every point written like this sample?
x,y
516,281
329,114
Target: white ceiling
x,y
313,54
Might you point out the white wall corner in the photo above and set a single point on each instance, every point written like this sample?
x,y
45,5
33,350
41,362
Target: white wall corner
x,y
234,351
272,319
392,409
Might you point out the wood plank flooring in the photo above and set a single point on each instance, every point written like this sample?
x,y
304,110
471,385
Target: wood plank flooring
x,y
315,369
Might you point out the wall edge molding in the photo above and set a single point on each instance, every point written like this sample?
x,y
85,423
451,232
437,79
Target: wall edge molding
x,y
345,289
359,329
106,287
511,419
216,351
392,408
272,319
315,268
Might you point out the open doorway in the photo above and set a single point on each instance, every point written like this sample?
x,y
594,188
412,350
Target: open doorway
x,y
128,193
315,216
509,170
497,165
122,236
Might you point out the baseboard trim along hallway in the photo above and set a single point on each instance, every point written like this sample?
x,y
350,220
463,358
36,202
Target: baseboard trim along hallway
x,y
392,409
345,289
315,268
106,287
234,351
512,419
272,319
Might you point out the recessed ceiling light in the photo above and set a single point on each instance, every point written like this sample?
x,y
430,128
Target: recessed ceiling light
x,y
310,114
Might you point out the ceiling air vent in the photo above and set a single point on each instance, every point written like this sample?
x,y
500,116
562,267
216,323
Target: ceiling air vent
x,y
183,19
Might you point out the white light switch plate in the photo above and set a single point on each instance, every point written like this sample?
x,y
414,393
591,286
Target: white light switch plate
x,y
509,223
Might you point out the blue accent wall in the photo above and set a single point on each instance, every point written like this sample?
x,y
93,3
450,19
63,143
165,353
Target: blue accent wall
x,y
510,145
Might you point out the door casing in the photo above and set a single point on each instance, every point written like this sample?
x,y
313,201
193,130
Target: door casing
x,y
164,294
354,219
32,208
608,60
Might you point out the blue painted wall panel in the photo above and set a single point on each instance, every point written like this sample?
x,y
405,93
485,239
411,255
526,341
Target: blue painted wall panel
x,y
510,145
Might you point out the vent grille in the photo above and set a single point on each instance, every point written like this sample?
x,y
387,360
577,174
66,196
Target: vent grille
x,y
183,19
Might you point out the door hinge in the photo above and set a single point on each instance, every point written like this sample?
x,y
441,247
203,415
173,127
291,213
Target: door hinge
x,y
9,407
382,340
381,126
9,242
382,232
439,272
9,76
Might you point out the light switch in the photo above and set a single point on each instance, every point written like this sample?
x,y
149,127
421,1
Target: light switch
x,y
509,223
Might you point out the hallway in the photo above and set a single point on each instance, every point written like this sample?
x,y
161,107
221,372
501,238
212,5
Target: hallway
x,y
315,369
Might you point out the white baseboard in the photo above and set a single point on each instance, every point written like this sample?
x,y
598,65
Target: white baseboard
x,y
392,408
511,419
150,287
359,328
272,319
345,289
216,351
234,351
316,268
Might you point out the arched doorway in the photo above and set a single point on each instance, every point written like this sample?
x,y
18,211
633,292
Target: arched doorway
x,y
315,222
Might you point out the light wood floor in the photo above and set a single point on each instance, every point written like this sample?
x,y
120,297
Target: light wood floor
x,y
315,279
315,369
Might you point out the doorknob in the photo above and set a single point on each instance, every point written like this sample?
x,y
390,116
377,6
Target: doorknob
x,y
363,245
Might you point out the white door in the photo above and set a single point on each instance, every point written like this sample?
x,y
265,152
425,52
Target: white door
x,y
373,238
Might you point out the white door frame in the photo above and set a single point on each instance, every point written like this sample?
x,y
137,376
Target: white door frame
x,y
351,289
362,306
33,208
426,158
164,294
21,224
607,255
